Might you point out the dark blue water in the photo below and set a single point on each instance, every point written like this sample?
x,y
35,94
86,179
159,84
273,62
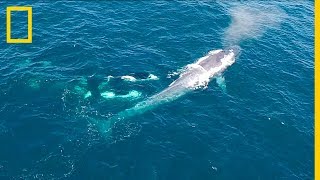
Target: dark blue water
x,y
261,128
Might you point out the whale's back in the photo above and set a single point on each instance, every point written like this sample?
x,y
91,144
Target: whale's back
x,y
212,60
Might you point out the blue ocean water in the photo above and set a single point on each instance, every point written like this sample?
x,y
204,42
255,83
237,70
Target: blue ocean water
x,y
262,127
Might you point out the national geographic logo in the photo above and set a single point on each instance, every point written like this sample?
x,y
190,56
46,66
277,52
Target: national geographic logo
x,y
19,40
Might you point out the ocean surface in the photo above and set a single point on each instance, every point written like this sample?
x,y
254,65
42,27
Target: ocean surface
x,y
261,126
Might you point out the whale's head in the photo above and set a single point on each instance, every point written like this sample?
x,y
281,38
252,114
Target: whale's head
x,y
230,55
234,49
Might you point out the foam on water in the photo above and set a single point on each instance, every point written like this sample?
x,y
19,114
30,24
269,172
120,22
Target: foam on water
x,y
128,78
108,95
133,94
153,77
135,79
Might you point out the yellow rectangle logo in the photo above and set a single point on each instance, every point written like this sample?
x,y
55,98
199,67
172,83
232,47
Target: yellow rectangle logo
x,y
19,8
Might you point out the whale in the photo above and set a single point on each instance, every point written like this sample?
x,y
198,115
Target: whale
x,y
193,76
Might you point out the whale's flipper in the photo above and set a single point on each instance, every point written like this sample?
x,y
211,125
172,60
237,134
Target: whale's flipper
x,y
221,83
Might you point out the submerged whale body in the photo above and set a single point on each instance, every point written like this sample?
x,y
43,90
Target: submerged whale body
x,y
194,76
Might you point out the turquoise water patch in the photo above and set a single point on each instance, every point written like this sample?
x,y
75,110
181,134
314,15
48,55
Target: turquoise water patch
x,y
34,83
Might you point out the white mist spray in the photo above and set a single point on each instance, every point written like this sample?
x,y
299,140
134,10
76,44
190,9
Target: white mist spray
x,y
250,21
